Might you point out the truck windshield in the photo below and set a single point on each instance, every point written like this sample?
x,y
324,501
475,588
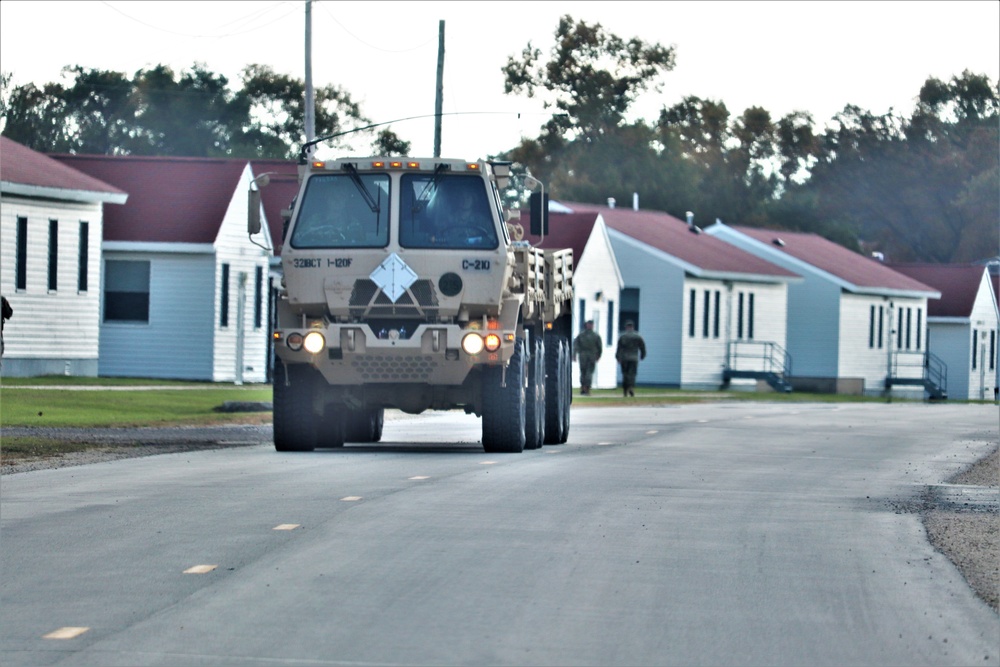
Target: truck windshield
x,y
445,211
336,214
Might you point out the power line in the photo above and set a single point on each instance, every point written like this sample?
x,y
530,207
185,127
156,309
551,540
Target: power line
x,y
251,16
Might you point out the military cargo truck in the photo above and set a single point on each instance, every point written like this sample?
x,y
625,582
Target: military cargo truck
x,y
405,286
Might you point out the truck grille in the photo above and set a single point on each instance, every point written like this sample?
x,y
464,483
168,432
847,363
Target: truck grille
x,y
389,368
367,300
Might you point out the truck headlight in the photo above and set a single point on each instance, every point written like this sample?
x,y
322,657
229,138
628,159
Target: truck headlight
x,y
314,342
294,342
472,344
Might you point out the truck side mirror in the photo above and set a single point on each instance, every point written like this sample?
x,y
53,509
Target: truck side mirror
x,y
539,213
253,203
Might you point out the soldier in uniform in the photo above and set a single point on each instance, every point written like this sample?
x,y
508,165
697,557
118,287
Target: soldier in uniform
x,y
631,348
587,349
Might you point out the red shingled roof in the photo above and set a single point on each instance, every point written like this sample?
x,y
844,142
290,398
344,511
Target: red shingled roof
x,y
672,236
958,283
849,266
566,230
19,164
171,199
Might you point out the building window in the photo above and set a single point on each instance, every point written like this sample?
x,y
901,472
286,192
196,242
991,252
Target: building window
x,y
739,316
909,322
611,323
83,256
258,295
881,324
707,309
715,321
993,349
899,328
126,291
224,291
750,316
920,325
21,262
53,255
692,307
871,326
975,347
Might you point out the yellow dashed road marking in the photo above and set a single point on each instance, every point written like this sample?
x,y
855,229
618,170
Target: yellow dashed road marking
x,y
66,633
200,569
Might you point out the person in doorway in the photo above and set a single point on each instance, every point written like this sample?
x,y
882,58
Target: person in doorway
x,y
4,316
587,348
631,349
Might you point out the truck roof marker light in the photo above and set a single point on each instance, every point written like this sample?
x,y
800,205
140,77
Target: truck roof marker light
x,y
319,164
413,165
378,164
395,165
472,166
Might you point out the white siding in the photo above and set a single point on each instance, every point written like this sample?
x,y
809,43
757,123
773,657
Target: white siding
x,y
176,343
597,272
661,302
951,340
234,247
51,331
903,337
705,356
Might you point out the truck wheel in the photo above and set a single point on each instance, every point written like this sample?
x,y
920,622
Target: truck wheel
x,y
556,400
504,406
294,421
365,425
567,389
333,427
534,432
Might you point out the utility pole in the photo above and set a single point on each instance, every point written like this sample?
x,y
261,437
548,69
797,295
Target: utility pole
x,y
310,118
440,91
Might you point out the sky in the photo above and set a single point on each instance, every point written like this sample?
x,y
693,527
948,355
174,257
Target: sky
x,y
783,56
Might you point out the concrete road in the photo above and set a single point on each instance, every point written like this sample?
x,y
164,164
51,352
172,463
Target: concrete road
x,y
729,534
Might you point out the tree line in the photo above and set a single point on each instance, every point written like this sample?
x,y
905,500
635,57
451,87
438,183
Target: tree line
x,y
918,187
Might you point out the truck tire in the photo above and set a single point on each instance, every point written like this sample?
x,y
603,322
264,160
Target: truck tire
x,y
504,406
364,425
567,388
295,424
332,427
534,432
556,399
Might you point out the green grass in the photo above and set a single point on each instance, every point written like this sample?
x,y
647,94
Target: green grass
x,y
664,396
168,403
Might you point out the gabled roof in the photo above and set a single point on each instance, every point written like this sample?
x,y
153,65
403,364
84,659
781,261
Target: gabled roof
x,y
855,272
277,195
566,230
701,254
32,174
173,199
958,283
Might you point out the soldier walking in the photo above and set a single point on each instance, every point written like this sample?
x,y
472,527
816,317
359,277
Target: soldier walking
x,y
631,348
587,348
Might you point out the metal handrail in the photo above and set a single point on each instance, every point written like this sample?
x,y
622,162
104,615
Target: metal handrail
x,y
772,357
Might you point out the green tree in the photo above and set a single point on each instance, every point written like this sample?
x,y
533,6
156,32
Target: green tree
x,y
591,77
35,117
